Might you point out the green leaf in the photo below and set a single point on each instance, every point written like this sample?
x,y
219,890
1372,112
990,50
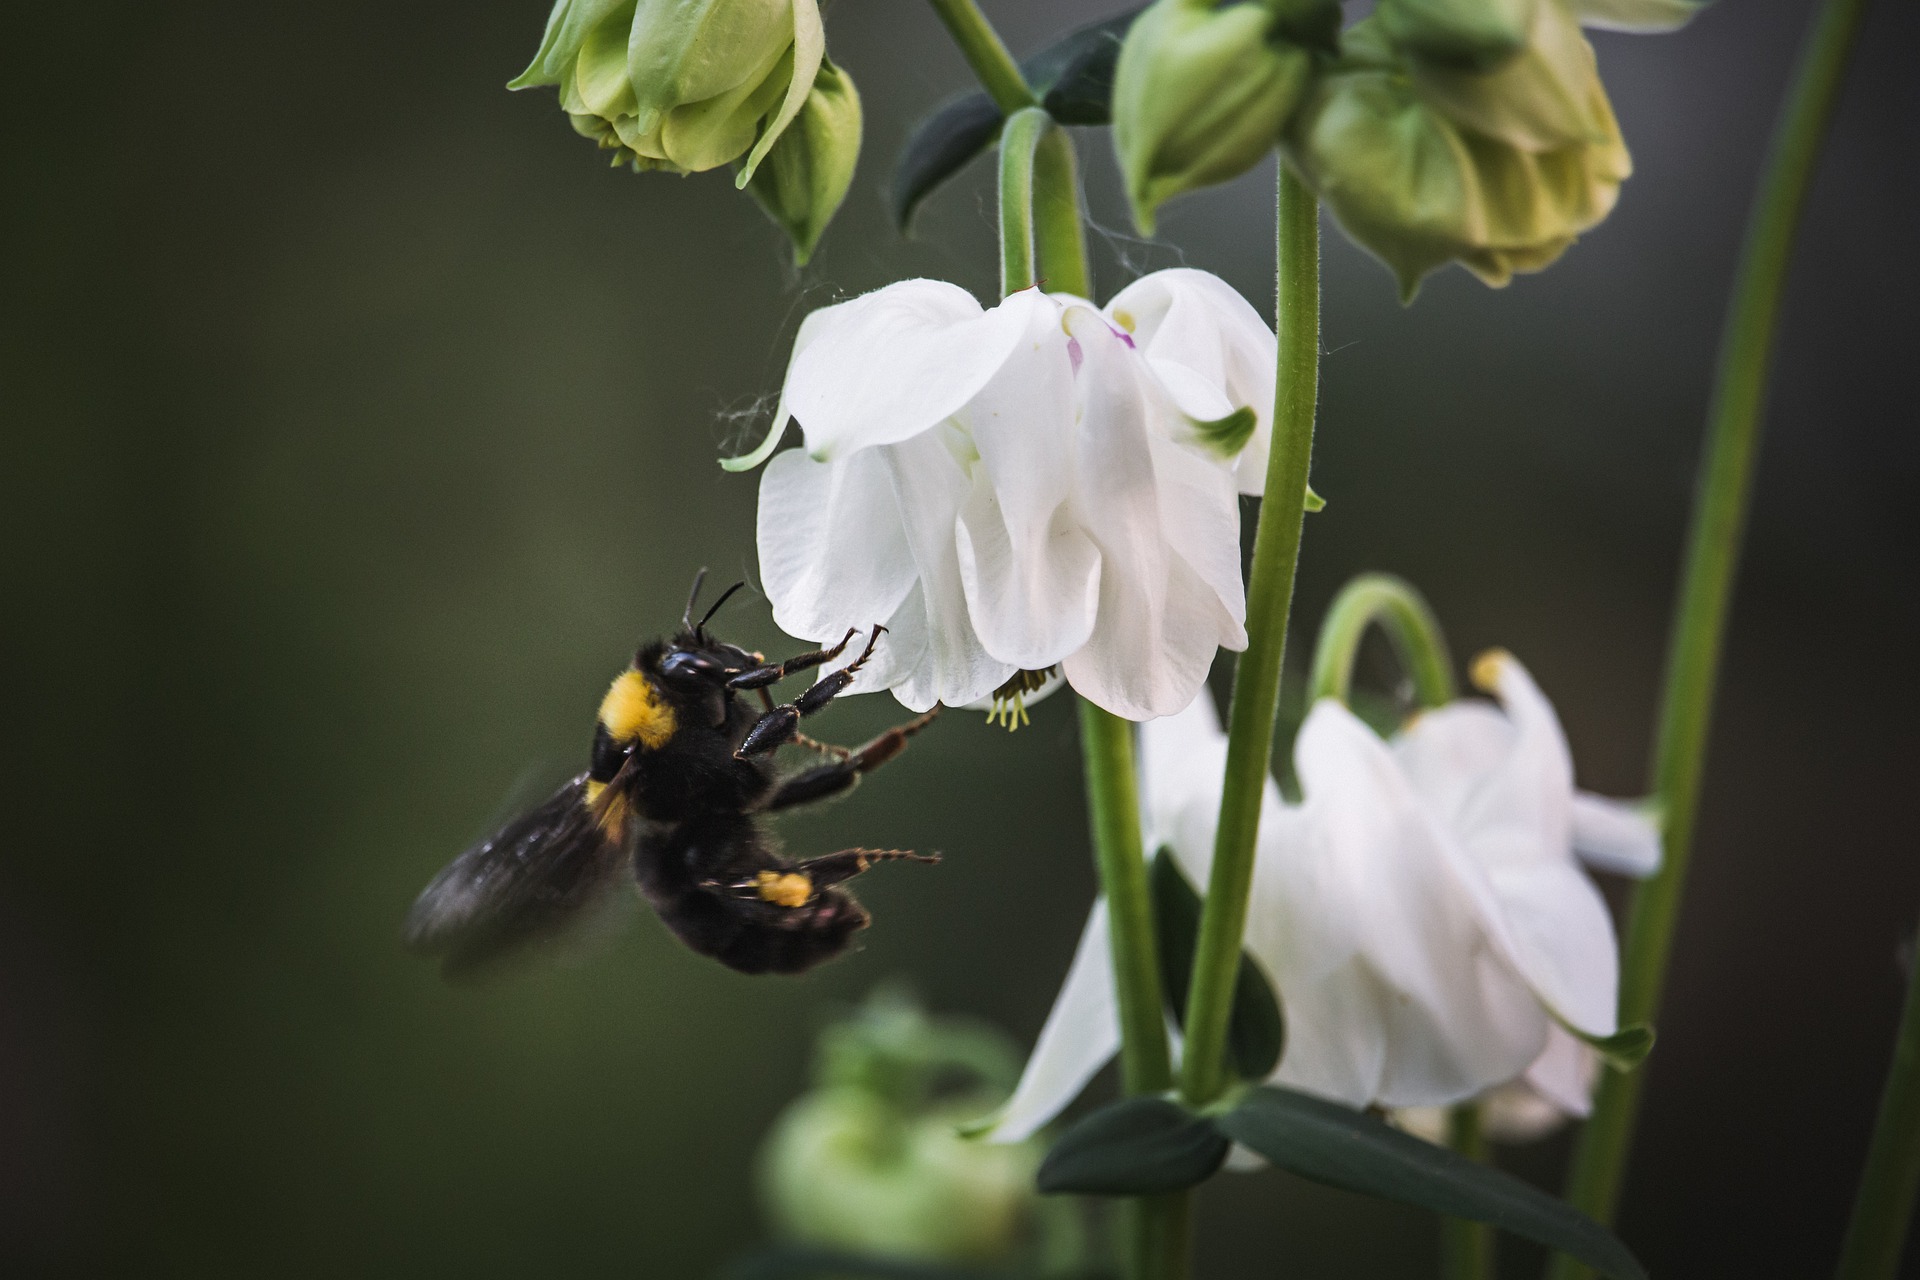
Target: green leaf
x,y
1256,1033
1074,77
1133,1147
1329,1143
1314,501
1625,1049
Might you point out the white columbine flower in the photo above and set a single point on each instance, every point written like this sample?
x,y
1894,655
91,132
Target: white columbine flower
x,y
1035,485
1421,913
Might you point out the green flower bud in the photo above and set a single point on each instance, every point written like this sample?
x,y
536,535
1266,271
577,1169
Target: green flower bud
x,y
681,85
1477,35
1202,92
806,175
871,1161
845,1169
1419,189
1549,95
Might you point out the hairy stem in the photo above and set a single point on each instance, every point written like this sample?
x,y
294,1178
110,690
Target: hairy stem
x,y
1256,678
980,44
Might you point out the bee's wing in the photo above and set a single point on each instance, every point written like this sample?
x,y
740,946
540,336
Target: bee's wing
x,y
525,883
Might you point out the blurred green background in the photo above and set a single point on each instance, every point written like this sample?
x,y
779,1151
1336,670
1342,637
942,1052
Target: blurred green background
x,y
358,421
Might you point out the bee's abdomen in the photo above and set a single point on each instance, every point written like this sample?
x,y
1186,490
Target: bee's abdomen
x,y
684,871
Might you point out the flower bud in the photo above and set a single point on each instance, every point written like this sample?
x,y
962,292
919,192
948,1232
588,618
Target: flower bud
x,y
807,173
1477,35
1201,92
1548,95
1418,189
681,85
871,1161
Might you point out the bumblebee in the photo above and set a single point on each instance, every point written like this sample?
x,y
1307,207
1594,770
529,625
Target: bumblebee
x,y
680,777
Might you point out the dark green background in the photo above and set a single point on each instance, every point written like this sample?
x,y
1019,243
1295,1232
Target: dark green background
x,y
358,420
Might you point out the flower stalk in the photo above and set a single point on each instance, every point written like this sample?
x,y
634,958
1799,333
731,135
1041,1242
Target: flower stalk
x,y
984,51
1712,558
1466,1248
1256,683
1401,612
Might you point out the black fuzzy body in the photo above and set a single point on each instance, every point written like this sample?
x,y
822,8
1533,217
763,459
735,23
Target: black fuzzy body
x,y
680,777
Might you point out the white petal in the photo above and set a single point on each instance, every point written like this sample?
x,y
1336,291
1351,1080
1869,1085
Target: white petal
x,y
1448,754
891,364
833,553
1159,623
1565,1073
1181,758
1032,576
1519,828
1455,1017
1197,320
1615,835
929,485
1081,1035
1200,516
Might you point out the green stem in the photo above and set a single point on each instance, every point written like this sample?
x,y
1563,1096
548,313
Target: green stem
x,y
1719,517
995,68
1059,229
1466,1248
1256,679
1019,139
1404,615
1106,744
1883,1210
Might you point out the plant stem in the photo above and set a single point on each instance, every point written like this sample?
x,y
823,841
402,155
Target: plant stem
x,y
1404,615
1019,138
1106,744
1256,679
1719,517
995,68
1466,1248
1883,1210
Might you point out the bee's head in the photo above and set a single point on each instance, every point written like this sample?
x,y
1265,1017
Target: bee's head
x,y
693,660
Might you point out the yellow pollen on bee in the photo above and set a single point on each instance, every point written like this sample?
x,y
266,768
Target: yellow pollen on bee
x,y
594,789
784,888
1485,671
633,709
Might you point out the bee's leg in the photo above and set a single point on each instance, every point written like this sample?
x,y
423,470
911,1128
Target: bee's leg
x,y
778,726
831,779
774,672
802,883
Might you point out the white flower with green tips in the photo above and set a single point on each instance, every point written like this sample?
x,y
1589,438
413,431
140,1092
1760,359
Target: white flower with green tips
x,y
1422,914
1010,490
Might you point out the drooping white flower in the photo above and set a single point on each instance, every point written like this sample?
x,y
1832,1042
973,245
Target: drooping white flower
x,y
1421,913
1011,489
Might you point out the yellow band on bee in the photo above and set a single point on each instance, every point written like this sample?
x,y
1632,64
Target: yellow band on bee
x,y
633,709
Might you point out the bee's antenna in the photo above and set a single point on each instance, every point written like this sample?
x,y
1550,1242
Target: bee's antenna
x,y
725,596
686,614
